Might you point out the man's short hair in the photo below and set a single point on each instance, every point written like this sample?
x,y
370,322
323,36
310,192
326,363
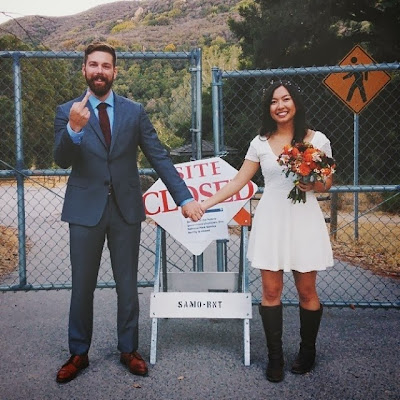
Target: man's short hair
x,y
100,46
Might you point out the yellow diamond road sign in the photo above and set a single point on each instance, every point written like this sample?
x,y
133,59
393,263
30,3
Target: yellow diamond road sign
x,y
357,88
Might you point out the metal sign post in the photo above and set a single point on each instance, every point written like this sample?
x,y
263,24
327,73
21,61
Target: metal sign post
x,y
212,295
200,294
357,89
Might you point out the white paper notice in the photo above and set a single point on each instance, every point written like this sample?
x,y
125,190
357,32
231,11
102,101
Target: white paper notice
x,y
212,226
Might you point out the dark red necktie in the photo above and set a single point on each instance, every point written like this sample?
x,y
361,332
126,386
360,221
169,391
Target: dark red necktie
x,y
105,123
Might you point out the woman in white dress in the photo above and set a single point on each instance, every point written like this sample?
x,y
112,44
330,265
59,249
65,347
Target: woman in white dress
x,y
285,236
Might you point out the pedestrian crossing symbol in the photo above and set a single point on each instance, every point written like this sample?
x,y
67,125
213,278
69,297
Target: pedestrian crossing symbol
x,y
357,88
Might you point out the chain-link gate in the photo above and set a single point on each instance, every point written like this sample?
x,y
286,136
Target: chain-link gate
x,y
32,84
363,208
365,233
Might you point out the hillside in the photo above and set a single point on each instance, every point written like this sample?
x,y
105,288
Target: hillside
x,y
134,25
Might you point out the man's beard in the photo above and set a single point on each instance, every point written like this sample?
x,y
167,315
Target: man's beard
x,y
96,90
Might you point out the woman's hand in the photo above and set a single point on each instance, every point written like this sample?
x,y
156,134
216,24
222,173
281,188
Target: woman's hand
x,y
192,210
204,205
306,187
316,186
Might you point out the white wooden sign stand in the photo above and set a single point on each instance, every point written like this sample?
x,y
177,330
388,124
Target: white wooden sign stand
x,y
210,295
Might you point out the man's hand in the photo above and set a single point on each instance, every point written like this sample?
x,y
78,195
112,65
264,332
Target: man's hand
x,y
79,114
192,210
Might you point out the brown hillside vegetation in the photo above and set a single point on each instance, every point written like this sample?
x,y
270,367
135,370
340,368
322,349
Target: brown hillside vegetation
x,y
133,25
8,250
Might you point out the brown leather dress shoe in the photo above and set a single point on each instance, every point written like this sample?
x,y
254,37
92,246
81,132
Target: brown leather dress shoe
x,y
135,363
72,367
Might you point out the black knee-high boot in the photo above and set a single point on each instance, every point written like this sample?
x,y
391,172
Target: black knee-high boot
x,y
272,322
309,326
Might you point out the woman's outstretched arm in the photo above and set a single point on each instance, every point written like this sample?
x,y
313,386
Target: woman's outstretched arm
x,y
244,175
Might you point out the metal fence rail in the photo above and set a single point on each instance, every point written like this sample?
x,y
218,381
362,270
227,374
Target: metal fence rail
x,y
365,231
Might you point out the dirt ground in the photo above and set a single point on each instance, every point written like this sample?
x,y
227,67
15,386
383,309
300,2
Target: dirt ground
x,y
8,250
376,262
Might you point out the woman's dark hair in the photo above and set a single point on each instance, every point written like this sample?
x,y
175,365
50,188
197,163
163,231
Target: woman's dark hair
x,y
268,125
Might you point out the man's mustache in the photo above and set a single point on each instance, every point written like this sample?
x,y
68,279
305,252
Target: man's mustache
x,y
99,76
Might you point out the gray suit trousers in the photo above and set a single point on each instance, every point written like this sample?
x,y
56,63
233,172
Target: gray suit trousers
x,y
86,245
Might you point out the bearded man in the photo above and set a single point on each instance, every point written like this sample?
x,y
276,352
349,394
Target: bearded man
x,y
98,136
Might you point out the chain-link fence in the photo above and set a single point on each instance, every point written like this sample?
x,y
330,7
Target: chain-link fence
x,y
363,208
32,187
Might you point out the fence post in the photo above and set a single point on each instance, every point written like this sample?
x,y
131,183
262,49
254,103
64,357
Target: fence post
x,y
334,214
216,98
197,126
216,82
356,171
19,166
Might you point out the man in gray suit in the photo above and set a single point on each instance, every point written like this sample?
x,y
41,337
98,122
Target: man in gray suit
x,y
104,199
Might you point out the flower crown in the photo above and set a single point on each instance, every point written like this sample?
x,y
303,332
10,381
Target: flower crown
x,y
283,82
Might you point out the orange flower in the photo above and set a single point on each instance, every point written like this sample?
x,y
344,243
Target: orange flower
x,y
286,149
313,165
295,151
325,171
308,154
304,169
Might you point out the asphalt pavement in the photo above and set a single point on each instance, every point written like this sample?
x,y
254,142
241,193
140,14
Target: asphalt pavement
x,y
358,354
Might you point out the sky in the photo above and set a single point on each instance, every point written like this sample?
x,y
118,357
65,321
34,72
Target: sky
x,y
52,8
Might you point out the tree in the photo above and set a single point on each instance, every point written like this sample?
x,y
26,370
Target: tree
x,y
375,23
292,33
45,83
163,88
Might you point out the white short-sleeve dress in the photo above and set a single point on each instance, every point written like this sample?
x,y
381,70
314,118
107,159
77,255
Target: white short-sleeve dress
x,y
287,236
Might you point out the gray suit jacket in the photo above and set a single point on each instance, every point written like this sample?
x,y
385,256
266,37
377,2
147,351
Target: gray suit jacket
x,y
94,168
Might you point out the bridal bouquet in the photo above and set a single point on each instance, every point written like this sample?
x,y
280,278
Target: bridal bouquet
x,y
308,164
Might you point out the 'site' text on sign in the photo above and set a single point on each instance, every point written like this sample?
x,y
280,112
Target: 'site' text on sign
x,y
203,178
